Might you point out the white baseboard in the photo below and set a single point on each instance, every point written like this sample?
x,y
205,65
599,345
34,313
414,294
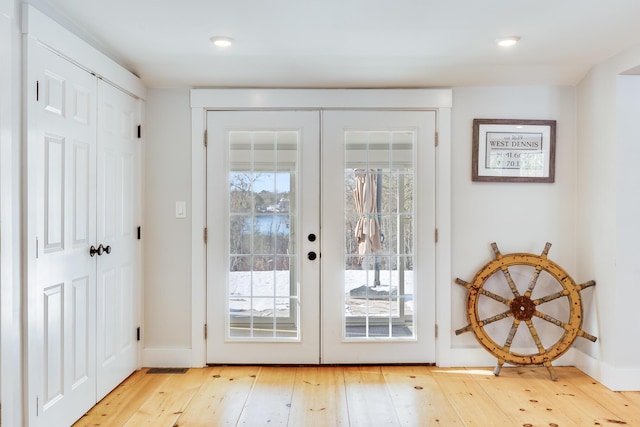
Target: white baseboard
x,y
479,357
168,358
467,357
614,378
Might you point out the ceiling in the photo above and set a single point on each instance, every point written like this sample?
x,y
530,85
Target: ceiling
x,y
353,43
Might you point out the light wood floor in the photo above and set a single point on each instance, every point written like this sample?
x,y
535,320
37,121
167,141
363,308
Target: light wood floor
x,y
363,396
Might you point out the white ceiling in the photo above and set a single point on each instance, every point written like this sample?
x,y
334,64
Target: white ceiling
x,y
354,43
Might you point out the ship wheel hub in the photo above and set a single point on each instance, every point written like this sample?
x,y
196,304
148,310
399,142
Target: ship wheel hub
x,y
522,308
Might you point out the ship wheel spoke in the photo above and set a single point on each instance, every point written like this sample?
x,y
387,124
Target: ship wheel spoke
x,y
550,297
507,345
496,318
467,328
532,283
551,320
512,284
486,321
535,336
512,334
585,335
493,296
589,284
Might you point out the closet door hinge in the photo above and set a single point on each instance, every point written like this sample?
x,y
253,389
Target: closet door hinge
x,y
139,131
138,333
206,138
436,330
205,331
436,235
205,234
37,243
437,139
37,90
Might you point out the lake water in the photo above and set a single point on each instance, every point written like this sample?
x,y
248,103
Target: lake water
x,y
272,224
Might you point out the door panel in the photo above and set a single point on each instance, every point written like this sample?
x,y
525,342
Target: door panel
x,y
61,309
262,288
118,213
378,257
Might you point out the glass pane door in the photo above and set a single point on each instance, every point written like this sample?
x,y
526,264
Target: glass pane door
x,y
378,275
262,304
379,216
262,217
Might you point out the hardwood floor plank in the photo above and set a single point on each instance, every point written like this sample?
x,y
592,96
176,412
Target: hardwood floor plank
x,y
319,398
472,403
574,403
168,401
221,399
417,397
624,409
368,398
633,397
269,402
521,402
117,407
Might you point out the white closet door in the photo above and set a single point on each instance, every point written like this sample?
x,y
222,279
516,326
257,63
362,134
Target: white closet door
x,y
60,230
118,213
83,193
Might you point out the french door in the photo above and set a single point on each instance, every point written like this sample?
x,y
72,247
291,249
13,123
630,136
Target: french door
x,y
262,211
314,221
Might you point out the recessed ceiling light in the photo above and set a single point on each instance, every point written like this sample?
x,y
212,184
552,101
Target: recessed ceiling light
x,y
507,41
222,41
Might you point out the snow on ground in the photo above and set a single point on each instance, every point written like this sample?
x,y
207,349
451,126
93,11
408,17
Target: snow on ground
x,y
263,289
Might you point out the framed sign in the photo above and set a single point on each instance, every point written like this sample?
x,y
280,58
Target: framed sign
x,y
508,150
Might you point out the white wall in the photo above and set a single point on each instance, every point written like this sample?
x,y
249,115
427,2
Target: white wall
x,y
519,217
166,239
608,206
587,214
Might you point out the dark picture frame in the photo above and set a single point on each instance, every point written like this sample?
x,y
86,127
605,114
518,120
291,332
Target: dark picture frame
x,y
512,150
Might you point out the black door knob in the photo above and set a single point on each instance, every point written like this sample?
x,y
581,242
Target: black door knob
x,y
312,256
93,251
312,237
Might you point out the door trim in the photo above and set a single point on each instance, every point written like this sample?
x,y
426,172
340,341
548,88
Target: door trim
x,y
203,100
57,38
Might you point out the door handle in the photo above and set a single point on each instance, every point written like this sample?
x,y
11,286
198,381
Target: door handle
x,y
100,250
93,251
312,256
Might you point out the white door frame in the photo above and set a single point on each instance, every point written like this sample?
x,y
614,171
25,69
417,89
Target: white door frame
x,y
203,100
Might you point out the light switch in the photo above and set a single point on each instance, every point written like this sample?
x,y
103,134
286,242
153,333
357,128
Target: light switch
x,y
181,209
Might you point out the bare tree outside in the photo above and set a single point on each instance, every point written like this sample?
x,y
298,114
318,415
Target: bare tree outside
x,y
260,225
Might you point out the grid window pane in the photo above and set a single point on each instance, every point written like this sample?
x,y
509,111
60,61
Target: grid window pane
x,y
263,285
378,227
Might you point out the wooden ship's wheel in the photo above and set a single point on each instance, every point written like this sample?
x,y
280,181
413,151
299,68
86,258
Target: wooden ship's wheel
x,y
522,308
